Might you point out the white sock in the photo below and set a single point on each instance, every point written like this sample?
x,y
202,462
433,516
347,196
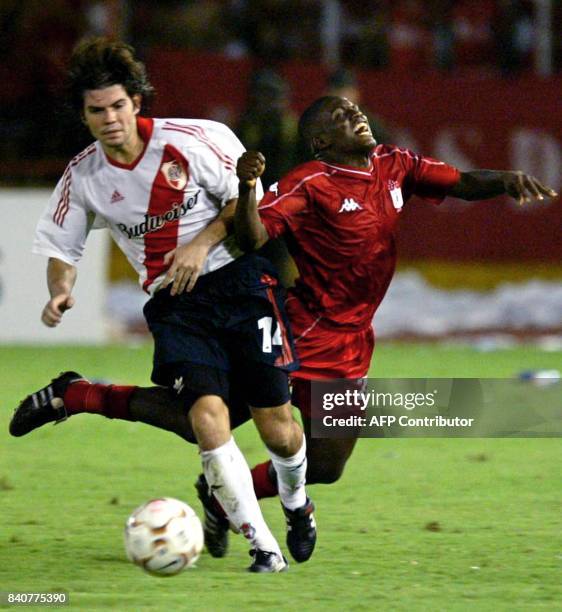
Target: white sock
x,y
230,480
291,476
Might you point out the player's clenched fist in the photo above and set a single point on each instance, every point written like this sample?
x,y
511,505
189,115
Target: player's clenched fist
x,y
55,308
250,167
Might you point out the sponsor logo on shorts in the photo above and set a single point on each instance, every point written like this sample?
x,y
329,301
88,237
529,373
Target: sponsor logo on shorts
x,y
178,385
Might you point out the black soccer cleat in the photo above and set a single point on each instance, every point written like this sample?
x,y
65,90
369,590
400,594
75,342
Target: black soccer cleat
x,y
301,531
266,562
43,406
215,525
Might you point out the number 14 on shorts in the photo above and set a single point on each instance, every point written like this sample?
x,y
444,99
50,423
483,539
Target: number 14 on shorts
x,y
268,340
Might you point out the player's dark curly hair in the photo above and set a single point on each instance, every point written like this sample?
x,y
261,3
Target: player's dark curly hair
x,y
308,123
97,63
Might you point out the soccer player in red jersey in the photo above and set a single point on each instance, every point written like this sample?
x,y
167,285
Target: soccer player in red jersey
x,y
339,215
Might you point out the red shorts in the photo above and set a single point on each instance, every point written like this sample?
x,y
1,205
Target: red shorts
x,y
325,352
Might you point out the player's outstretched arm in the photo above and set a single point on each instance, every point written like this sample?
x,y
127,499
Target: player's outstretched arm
x,y
60,282
249,230
186,262
483,184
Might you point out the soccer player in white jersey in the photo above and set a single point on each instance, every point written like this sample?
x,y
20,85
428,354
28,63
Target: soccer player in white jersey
x,y
166,190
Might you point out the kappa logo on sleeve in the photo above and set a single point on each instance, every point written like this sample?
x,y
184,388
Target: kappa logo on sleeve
x,y
349,205
396,195
274,187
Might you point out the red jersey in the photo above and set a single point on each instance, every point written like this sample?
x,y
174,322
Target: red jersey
x,y
340,222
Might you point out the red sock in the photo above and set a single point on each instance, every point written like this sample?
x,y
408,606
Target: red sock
x,y
111,401
264,484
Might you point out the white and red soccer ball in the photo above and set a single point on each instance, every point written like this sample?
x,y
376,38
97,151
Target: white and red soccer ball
x,y
164,536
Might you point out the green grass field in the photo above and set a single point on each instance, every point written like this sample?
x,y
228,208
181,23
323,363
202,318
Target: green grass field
x,y
415,524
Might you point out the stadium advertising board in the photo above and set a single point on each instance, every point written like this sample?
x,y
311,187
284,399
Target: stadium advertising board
x,y
471,121
23,289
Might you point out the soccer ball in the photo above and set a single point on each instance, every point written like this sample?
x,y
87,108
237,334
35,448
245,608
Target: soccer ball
x,y
164,536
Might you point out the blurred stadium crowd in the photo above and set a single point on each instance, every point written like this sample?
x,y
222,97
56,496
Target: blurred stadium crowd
x,y
404,34
488,37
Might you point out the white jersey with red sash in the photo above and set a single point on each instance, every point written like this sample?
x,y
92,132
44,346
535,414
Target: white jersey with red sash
x,y
174,189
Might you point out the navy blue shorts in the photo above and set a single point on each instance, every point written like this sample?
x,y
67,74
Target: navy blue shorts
x,y
232,323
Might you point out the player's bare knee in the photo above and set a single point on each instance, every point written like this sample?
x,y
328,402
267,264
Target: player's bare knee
x,y
209,420
279,431
208,410
283,447
279,440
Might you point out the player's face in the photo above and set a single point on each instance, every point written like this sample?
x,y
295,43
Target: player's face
x,y
346,127
110,114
